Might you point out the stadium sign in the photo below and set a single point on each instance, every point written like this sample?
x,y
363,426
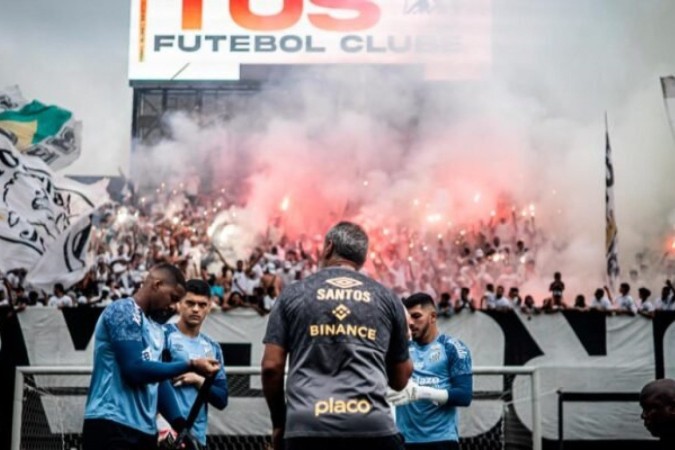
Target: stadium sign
x,y
212,39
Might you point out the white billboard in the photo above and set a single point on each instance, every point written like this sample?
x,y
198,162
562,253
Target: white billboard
x,y
212,39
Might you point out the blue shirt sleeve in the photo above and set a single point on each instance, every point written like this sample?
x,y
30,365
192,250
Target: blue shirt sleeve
x,y
124,322
219,394
167,406
460,367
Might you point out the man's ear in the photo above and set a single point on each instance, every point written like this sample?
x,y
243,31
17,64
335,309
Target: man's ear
x,y
155,283
327,250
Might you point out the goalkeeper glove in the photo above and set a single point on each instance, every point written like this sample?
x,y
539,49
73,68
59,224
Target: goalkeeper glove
x,y
414,392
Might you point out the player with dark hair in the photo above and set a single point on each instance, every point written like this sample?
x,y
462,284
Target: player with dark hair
x,y
426,410
345,337
184,341
657,400
121,408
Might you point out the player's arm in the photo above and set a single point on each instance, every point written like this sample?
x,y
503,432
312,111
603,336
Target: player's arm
x,y
127,344
273,368
460,392
219,393
399,366
168,407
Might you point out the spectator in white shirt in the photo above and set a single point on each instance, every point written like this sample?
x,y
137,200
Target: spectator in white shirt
x,y
270,299
600,301
625,303
238,278
667,301
647,305
501,302
60,299
488,300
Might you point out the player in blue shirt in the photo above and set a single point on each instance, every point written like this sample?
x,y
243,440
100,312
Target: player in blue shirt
x,y
426,410
184,341
121,408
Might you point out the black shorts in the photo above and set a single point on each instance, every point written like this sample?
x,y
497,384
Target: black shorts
x,y
441,445
394,442
102,434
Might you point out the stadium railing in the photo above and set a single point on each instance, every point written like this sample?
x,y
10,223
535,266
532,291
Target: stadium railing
x,y
43,382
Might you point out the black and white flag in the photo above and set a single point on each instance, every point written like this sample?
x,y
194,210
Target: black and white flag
x,y
45,219
611,230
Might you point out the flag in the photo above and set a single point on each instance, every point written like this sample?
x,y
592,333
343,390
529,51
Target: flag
x,y
611,232
48,132
668,88
45,219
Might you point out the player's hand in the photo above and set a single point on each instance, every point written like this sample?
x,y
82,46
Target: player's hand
x,y
408,395
166,439
278,439
189,378
205,366
414,392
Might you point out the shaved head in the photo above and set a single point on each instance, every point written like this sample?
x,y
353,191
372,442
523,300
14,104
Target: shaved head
x,y
657,399
169,273
664,388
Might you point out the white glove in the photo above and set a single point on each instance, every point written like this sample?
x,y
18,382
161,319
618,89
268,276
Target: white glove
x,y
414,392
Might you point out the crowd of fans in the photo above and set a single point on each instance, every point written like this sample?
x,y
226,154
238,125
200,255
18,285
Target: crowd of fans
x,y
484,265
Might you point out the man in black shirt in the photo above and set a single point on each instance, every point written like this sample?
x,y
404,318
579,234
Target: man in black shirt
x,y
345,336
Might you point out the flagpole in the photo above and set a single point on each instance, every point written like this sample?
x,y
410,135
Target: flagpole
x,y
608,278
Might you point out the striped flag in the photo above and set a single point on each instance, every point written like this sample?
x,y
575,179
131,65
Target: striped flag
x,y
611,232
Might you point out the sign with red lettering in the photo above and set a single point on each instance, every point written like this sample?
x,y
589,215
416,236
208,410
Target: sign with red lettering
x,y
212,39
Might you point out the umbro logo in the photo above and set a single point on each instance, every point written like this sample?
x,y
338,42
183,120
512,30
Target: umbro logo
x,y
344,282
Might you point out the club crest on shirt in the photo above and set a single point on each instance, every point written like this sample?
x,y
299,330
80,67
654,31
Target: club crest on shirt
x,y
435,355
344,282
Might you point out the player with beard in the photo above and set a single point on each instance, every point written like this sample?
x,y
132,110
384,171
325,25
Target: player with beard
x,y
657,400
426,410
121,408
345,337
